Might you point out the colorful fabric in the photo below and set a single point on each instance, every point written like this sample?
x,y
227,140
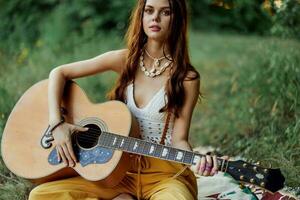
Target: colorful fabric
x,y
222,187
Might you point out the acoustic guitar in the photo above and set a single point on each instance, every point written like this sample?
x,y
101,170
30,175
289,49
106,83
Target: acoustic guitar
x,y
104,150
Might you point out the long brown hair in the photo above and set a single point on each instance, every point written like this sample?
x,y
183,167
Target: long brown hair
x,y
177,41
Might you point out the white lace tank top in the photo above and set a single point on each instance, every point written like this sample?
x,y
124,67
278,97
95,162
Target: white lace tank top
x,y
151,121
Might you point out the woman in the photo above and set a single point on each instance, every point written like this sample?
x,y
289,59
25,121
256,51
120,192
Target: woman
x,y
156,80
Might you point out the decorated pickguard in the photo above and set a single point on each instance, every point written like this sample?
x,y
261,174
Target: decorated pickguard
x,y
96,155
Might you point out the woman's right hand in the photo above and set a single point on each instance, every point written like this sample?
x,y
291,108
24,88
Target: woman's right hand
x,y
63,141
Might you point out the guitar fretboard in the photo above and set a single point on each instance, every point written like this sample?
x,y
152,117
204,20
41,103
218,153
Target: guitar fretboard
x,y
146,148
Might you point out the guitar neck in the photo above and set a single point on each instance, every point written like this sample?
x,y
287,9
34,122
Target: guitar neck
x,y
145,148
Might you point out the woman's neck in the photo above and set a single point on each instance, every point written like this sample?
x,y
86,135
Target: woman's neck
x,y
156,48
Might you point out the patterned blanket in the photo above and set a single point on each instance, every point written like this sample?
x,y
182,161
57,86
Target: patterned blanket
x,y
223,187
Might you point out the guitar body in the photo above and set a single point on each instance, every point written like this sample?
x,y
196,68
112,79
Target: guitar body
x,y
27,146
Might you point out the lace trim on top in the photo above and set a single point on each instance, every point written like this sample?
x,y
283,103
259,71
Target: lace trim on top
x,y
151,121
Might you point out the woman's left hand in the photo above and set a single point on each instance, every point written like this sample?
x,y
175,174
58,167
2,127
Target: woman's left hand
x,y
207,165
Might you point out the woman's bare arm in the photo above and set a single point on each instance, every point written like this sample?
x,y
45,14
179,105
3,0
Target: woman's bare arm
x,y
182,125
110,61
113,60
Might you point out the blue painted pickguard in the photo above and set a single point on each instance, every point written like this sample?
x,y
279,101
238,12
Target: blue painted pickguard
x,y
96,155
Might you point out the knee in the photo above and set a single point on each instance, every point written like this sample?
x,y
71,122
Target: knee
x,y
175,191
35,193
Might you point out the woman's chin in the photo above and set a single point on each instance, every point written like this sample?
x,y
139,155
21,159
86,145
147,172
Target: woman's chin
x,y
156,36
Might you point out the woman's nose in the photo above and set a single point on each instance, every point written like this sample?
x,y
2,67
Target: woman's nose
x,y
155,17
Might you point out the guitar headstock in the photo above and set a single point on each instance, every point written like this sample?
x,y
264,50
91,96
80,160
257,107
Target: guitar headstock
x,y
267,178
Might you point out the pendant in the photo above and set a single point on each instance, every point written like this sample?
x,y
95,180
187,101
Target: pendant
x,y
156,63
153,70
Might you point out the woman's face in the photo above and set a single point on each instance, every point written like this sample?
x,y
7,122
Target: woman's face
x,y
156,19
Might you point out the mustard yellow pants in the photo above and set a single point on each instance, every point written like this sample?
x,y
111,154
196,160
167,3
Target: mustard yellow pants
x,y
150,178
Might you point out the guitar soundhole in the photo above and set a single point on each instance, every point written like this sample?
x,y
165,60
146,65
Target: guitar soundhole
x,y
88,139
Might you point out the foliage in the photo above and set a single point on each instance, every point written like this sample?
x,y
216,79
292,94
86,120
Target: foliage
x,y
24,23
53,21
234,15
286,21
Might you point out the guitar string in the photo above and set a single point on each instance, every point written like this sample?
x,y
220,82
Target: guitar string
x,y
95,133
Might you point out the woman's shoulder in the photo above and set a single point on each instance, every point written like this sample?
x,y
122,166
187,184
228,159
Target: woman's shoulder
x,y
116,58
191,81
119,54
192,75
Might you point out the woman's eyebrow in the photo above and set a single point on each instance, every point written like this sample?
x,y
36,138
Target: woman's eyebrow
x,y
165,7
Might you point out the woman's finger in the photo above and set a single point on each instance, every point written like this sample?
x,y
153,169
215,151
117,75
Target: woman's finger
x,y
80,128
208,165
71,151
215,168
202,165
62,154
68,156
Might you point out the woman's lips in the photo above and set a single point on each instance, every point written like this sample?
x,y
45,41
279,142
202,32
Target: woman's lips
x,y
155,28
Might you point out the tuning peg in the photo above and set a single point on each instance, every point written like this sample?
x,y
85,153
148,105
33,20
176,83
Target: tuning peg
x,y
245,165
255,168
251,180
241,177
266,170
257,163
262,184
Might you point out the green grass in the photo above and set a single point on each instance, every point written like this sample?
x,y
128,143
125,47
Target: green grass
x,y
252,100
250,84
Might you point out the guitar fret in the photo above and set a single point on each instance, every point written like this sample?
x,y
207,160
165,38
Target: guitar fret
x,y
100,142
130,144
122,143
127,143
165,152
152,149
172,153
110,140
196,158
118,142
105,140
141,147
157,150
136,146
188,157
179,155
146,148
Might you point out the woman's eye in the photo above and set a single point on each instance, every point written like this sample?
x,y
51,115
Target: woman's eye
x,y
166,12
148,11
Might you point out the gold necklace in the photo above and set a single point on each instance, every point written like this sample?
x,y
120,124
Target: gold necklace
x,y
154,71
